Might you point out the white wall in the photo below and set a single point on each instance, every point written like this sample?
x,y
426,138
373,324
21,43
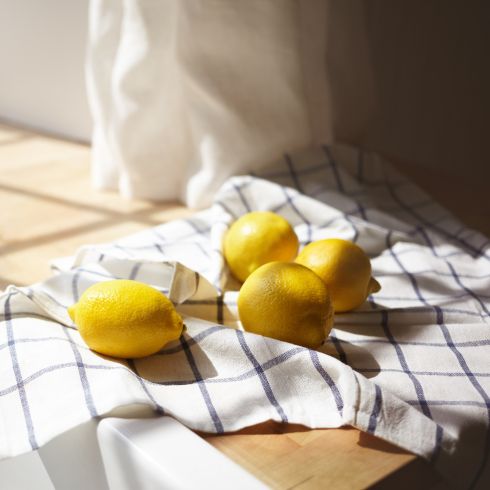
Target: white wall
x,y
409,79
412,79
42,51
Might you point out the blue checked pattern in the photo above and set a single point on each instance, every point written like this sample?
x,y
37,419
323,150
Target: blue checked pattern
x,y
410,365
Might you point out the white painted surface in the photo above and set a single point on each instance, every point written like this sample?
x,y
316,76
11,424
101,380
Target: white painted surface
x,y
42,55
161,453
24,472
73,461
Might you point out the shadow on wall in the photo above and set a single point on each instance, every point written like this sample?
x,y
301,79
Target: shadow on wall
x,y
411,79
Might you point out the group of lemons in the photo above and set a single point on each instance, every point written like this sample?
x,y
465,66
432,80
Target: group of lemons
x,y
284,295
288,296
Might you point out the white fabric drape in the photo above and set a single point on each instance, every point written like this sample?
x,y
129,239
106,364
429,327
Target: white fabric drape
x,y
186,93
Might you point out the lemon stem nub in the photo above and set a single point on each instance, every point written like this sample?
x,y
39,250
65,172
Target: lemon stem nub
x,y
374,286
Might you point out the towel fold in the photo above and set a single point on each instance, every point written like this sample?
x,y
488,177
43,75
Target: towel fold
x,y
410,365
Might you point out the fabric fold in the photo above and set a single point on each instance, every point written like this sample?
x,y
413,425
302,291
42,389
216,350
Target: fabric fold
x,y
409,365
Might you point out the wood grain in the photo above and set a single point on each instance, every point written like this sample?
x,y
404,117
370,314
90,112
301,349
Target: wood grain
x,y
50,210
292,456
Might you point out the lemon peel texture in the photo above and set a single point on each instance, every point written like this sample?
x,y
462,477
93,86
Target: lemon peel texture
x,y
345,268
124,318
288,302
257,238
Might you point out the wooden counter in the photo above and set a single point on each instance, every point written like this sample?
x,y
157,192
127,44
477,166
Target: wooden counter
x,y
49,210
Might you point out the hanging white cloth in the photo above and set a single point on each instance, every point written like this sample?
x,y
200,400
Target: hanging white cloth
x,y
186,93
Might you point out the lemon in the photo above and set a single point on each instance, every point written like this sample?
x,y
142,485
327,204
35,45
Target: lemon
x,y
257,238
288,302
124,318
344,267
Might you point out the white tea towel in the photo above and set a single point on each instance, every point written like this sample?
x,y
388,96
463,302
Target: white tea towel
x,y
410,365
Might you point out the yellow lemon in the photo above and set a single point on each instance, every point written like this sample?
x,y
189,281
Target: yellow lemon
x,y
124,318
286,301
257,238
344,267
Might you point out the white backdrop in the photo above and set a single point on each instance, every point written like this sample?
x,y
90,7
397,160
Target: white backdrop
x,y
42,51
406,79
